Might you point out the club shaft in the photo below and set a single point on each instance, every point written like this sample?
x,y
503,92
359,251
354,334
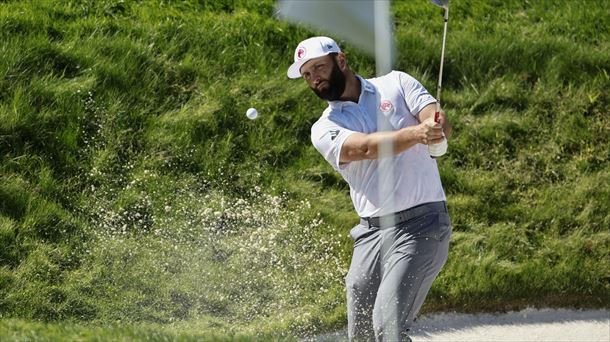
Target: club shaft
x,y
440,73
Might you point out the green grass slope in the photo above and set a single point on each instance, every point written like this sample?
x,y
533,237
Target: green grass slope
x,y
134,193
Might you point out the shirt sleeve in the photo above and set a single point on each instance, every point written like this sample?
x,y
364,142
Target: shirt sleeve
x,y
328,137
416,95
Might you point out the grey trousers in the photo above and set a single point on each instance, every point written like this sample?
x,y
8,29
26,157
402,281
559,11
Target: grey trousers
x,y
391,272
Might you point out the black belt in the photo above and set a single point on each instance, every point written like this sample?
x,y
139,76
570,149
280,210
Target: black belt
x,y
404,215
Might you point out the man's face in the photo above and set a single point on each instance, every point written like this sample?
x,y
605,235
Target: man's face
x,y
324,77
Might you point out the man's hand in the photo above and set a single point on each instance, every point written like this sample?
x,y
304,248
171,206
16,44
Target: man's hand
x,y
430,132
429,112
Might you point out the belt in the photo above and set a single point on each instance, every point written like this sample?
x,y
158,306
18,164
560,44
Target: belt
x,y
404,215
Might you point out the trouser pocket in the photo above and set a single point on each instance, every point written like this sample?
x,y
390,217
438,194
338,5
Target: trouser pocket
x,y
360,233
432,225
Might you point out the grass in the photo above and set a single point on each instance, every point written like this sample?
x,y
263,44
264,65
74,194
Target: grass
x,y
19,330
137,202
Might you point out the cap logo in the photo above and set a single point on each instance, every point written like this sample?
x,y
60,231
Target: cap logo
x,y
301,53
329,46
385,106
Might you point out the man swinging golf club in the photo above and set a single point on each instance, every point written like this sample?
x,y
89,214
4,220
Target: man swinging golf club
x,y
392,267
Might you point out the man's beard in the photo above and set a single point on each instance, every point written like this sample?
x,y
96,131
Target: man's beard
x,y
336,85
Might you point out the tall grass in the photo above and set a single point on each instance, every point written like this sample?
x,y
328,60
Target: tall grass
x,y
134,191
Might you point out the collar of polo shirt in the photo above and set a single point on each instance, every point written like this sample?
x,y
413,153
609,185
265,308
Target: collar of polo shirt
x,y
366,86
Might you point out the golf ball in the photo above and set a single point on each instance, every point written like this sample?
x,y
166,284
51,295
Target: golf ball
x,y
252,113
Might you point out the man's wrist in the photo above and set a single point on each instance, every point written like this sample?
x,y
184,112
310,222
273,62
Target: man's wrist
x,y
407,137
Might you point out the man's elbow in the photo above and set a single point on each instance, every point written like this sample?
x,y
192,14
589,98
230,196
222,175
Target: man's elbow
x,y
361,151
366,149
368,152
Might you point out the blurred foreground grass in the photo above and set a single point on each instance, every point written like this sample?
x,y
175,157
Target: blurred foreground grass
x,y
134,193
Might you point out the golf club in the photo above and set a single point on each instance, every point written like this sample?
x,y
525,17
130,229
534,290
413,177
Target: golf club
x,y
445,5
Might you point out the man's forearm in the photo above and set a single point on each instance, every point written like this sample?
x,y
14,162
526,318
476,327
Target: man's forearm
x,y
399,140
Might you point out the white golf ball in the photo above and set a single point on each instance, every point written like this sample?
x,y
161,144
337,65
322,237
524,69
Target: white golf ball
x,y
252,113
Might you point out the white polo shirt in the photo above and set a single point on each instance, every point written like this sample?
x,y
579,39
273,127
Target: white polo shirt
x,y
398,97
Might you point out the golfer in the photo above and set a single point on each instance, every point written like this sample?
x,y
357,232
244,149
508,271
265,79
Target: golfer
x,y
393,267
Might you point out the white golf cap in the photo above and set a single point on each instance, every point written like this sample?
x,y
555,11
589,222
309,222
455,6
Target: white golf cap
x,y
308,49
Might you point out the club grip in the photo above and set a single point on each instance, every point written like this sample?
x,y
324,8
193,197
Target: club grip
x,y
436,117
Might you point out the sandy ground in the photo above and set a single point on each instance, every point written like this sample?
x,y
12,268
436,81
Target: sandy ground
x,y
526,325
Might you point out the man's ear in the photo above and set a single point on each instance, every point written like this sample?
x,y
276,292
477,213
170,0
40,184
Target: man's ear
x,y
341,61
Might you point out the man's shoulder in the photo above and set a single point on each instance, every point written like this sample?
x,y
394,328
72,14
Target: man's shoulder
x,y
394,75
330,117
395,81
324,116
